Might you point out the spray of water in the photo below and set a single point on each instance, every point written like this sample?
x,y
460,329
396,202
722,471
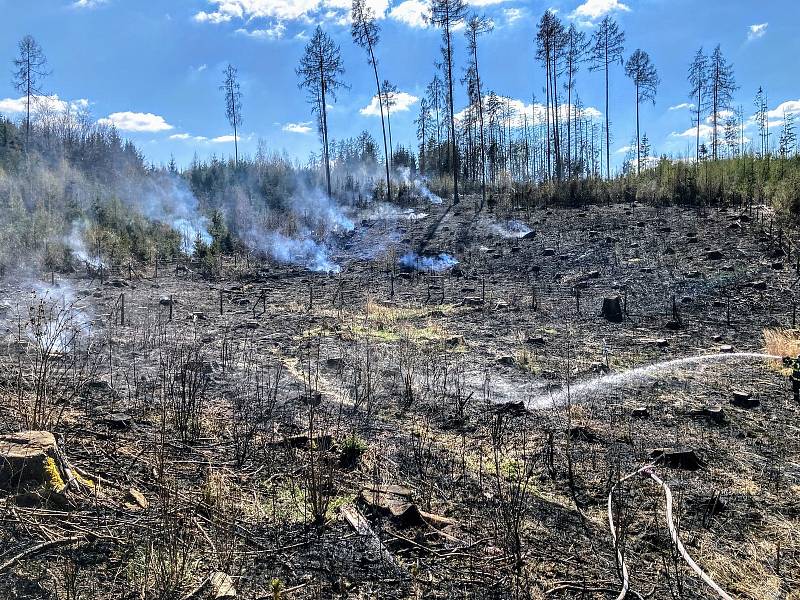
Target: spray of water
x,y
603,384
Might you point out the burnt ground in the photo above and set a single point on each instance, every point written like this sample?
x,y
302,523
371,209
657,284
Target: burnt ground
x,y
248,437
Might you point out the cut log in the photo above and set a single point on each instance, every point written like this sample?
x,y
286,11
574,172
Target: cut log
x,y
612,309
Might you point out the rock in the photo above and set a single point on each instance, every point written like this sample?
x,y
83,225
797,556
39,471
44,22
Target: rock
x,y
472,301
662,343
640,412
726,349
221,585
99,386
506,360
686,459
777,266
583,434
672,325
136,499
612,309
741,399
693,274
548,252
714,255
759,285
536,340
335,363
599,368
529,236
454,341
29,456
513,407
594,275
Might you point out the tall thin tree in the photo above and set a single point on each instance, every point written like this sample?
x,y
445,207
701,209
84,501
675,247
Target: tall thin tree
x,y
477,26
448,14
642,72
389,94
698,79
366,34
575,53
320,71
233,105
722,84
608,47
423,123
29,71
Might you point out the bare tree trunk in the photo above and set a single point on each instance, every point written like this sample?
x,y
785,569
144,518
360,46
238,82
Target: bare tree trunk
x,y
452,111
383,125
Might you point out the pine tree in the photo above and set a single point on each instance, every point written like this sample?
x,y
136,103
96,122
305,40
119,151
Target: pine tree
x,y
608,49
366,33
642,72
698,78
233,105
449,14
320,71
722,84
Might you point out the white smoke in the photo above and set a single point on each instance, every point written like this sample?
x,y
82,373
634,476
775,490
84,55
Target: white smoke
x,y
412,260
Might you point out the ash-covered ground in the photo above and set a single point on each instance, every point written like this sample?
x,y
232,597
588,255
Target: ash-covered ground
x,y
443,417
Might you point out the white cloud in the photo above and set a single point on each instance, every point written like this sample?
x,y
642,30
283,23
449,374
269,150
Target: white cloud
x,y
52,103
302,127
268,33
136,122
402,102
683,106
757,31
513,15
411,12
534,112
705,132
591,10
788,107
88,3
255,9
188,136
224,139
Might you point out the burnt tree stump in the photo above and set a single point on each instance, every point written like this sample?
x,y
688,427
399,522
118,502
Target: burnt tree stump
x,y
612,309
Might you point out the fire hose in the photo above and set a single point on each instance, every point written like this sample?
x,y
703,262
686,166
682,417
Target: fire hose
x,y
648,471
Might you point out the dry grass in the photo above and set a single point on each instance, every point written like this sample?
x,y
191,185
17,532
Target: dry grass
x,y
781,342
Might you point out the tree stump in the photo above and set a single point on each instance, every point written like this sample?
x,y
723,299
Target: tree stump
x,y
612,309
29,456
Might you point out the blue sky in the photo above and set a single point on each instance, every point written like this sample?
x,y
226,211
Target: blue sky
x,y
154,67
